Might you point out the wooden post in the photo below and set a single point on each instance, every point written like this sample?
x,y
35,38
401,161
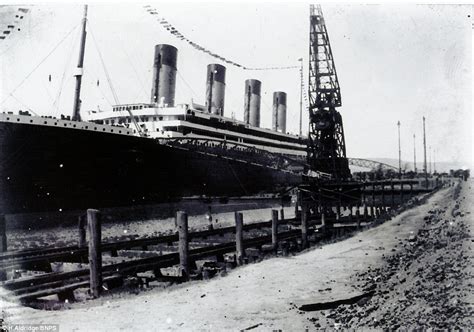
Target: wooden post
x,y
365,212
373,196
275,229
383,193
3,233
304,226
401,193
95,252
392,193
282,214
411,190
82,231
239,237
183,244
358,218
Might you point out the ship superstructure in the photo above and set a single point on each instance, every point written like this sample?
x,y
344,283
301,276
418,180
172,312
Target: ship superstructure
x,y
148,152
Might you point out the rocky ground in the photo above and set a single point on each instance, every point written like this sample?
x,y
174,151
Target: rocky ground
x,y
411,272
426,281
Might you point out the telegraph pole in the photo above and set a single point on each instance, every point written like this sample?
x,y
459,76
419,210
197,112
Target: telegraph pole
x,y
399,153
429,156
414,153
424,151
301,96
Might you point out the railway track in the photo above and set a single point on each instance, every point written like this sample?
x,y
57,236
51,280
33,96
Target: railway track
x,y
31,288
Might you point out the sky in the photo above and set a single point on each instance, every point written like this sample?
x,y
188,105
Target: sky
x,y
395,62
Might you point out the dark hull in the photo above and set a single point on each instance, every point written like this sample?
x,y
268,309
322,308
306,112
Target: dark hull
x,y
46,168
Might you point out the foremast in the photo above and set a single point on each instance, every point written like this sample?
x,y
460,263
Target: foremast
x,y
76,115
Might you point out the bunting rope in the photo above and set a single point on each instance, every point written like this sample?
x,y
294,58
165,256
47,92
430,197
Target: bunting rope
x,y
172,30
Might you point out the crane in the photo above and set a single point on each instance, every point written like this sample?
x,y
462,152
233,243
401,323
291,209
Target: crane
x,y
326,151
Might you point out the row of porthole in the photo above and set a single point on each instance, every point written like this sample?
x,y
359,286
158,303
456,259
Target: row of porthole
x,y
65,125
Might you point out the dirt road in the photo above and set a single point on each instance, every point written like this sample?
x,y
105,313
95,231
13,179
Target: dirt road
x,y
418,265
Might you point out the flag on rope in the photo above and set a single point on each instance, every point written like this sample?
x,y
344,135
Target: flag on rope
x,y
169,27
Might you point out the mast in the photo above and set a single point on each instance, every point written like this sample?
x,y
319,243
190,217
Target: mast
x,y
76,116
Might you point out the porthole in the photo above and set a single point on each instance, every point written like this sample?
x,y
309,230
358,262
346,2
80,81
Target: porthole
x,y
111,130
31,121
18,120
46,122
103,129
74,125
65,125
95,128
120,131
87,127
8,119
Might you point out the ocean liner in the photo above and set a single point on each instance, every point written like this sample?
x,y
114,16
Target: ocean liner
x,y
147,153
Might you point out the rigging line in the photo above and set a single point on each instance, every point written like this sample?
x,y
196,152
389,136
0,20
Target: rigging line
x,y
22,103
182,78
100,89
109,81
39,64
133,67
172,30
104,96
66,65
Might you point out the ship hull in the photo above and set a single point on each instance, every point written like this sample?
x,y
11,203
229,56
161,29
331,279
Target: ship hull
x,y
45,168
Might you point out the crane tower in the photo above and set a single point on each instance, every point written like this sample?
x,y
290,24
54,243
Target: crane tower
x,y
326,145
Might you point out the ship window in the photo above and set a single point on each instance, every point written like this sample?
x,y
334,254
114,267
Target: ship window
x,y
120,131
65,125
154,118
31,121
103,129
46,122
8,119
95,128
160,118
18,120
111,130
74,125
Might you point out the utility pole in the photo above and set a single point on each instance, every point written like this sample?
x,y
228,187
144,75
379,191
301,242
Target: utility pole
x,y
434,161
424,151
76,116
414,153
429,156
301,96
399,153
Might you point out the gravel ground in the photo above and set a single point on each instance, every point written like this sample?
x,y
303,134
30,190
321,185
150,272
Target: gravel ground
x,y
418,264
425,282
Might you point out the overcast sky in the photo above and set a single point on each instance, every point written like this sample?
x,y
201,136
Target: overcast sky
x,y
394,62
